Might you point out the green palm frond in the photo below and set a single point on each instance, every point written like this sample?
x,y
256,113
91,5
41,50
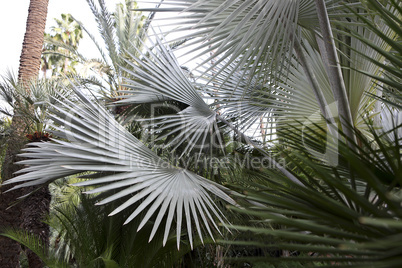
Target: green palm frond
x,y
123,32
130,28
52,43
85,235
32,99
30,241
7,93
89,139
106,28
347,215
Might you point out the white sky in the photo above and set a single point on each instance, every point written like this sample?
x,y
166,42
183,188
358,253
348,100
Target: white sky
x,y
13,15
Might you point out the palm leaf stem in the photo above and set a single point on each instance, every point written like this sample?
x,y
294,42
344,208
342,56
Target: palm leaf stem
x,y
335,73
322,103
150,17
308,70
260,149
321,47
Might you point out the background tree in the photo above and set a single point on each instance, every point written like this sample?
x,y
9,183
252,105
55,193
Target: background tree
x,y
123,32
60,45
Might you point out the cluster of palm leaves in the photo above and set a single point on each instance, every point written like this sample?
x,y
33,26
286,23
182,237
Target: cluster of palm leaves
x,y
304,133
84,236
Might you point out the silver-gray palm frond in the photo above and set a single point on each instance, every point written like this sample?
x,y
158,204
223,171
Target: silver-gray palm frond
x,y
90,139
290,101
257,35
155,77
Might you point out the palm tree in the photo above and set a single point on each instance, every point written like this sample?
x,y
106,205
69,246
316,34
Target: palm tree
x,y
67,31
62,39
122,31
32,209
268,61
346,215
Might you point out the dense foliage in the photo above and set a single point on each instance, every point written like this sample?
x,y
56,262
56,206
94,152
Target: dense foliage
x,y
285,142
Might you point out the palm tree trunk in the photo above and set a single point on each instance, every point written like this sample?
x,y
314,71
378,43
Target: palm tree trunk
x,y
33,41
27,213
10,218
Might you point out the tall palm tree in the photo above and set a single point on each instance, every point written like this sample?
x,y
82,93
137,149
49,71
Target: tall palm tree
x,y
28,213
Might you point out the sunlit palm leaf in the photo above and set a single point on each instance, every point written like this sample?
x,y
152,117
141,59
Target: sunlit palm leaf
x,y
290,102
257,35
156,77
89,139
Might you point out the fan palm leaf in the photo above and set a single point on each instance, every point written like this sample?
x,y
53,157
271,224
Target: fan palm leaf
x,y
90,139
224,30
293,98
385,45
156,77
257,35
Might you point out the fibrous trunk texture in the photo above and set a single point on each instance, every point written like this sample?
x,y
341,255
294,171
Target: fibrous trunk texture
x,y
33,41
